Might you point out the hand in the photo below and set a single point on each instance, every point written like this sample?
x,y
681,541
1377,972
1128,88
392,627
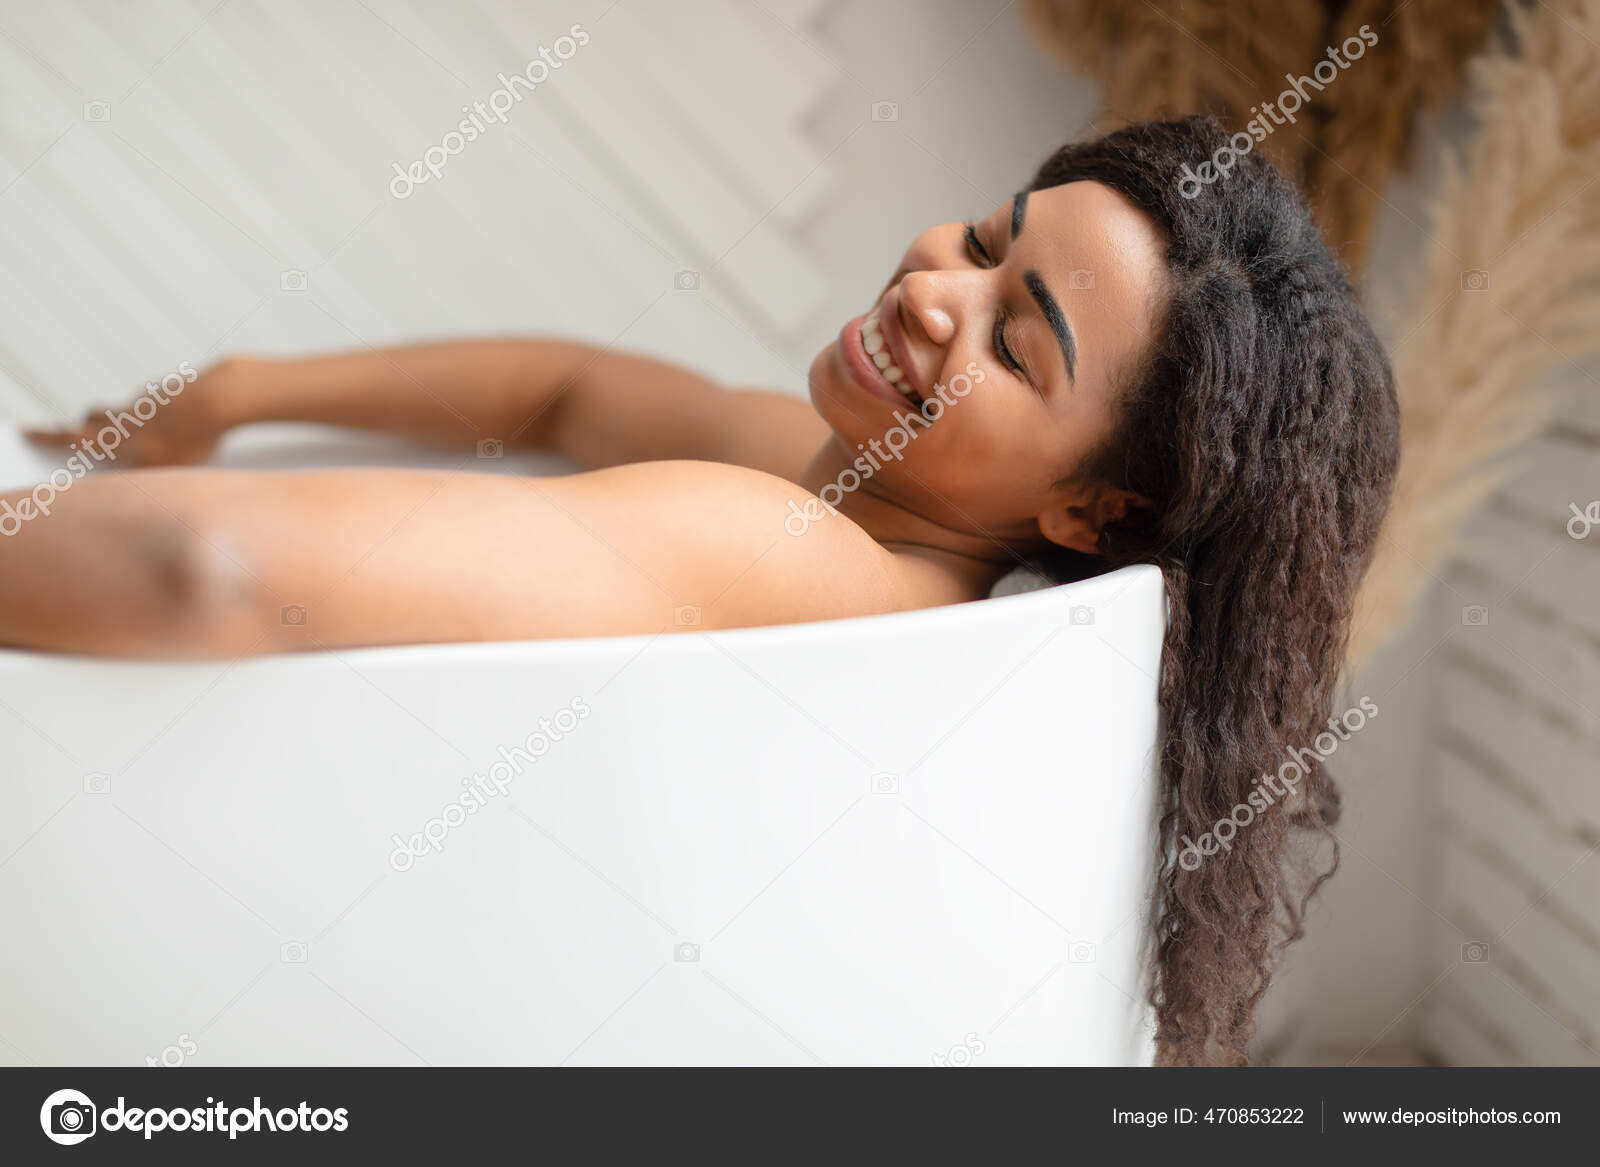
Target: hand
x,y
182,432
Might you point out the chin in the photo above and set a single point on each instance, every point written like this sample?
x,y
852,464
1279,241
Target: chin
x,y
830,389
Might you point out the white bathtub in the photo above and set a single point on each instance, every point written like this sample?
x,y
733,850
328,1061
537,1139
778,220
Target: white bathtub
x,y
917,839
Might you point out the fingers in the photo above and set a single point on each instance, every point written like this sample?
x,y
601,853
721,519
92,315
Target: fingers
x,y
84,436
93,422
125,447
53,437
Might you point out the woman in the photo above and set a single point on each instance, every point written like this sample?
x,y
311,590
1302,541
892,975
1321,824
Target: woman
x,y
1101,372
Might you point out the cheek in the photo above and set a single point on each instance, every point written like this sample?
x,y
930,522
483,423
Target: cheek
x,y
963,379
985,411
980,447
998,444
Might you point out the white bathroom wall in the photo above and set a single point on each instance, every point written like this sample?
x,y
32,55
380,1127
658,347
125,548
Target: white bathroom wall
x,y
183,179
1345,993
1513,951
718,181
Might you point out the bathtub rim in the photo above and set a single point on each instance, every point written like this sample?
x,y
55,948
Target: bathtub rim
x,y
767,636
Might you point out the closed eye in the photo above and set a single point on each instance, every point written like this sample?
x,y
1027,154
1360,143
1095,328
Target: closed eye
x,y
975,246
1001,348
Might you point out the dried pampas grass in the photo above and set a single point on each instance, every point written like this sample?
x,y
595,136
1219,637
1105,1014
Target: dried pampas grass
x,y
1171,58
1163,58
1518,212
1369,126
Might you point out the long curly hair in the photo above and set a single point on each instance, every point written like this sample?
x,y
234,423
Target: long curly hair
x,y
1264,428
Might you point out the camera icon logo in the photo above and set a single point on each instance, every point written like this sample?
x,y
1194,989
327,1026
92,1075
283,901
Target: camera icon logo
x,y
1475,952
1474,281
886,784
1474,615
292,615
885,111
687,281
1080,614
97,783
97,111
293,280
1080,279
686,953
1080,952
67,1117
491,448
686,616
293,952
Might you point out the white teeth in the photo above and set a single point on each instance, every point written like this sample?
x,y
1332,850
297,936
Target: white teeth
x,y
872,341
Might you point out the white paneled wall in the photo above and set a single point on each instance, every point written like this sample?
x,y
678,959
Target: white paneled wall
x,y
703,179
1514,770
165,164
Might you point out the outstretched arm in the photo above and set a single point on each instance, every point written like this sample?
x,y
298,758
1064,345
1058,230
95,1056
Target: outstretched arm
x,y
211,563
599,407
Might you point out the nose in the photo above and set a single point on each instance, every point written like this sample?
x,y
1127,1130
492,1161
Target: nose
x,y
920,296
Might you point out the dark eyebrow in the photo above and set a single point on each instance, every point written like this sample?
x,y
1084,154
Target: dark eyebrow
x,y
1019,211
1058,321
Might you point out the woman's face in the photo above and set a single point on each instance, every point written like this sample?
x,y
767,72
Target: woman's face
x,y
1029,320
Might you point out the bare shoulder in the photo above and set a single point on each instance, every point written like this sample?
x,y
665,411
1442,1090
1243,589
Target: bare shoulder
x,y
732,544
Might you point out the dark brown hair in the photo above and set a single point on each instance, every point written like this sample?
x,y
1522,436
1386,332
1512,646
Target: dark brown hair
x,y
1264,429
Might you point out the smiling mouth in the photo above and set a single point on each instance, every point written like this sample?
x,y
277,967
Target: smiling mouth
x,y
877,350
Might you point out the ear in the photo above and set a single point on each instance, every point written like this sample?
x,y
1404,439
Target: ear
x,y
1076,522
